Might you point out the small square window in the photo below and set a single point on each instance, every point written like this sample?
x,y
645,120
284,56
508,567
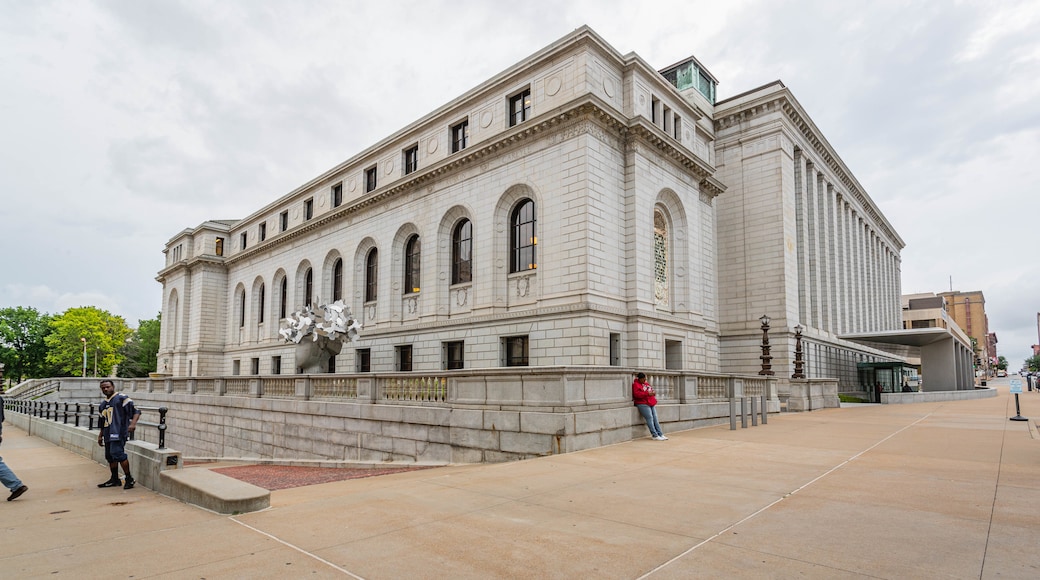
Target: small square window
x,y
283,220
411,159
459,136
520,108
454,355
308,209
364,360
218,247
337,195
370,179
243,238
262,232
276,365
516,351
404,357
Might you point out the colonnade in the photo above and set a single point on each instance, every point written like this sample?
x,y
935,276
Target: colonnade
x,y
848,264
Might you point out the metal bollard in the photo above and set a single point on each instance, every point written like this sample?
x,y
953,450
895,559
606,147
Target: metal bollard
x,y
754,415
732,414
743,412
765,412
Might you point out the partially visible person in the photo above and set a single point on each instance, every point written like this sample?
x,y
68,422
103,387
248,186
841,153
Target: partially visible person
x,y
7,477
118,422
646,401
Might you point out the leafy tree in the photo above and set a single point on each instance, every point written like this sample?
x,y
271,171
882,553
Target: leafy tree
x,y
139,352
22,347
1002,363
1033,363
105,335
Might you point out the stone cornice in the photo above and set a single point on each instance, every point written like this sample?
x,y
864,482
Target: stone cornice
x,y
784,103
589,108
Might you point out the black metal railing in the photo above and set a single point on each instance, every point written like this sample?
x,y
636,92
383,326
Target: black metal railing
x,y
84,414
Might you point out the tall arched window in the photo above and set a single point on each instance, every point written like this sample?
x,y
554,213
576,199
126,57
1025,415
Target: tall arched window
x,y
462,253
524,240
284,293
412,261
372,275
260,305
308,287
660,258
241,296
337,280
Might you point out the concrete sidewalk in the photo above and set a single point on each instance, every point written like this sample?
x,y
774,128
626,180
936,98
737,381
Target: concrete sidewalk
x,y
933,490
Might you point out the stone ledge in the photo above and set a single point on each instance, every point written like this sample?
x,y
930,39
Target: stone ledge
x,y
213,491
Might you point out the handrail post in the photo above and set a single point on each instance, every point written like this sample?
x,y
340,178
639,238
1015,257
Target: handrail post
x,y
90,418
77,414
162,427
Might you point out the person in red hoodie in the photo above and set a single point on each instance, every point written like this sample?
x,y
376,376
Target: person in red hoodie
x,y
646,401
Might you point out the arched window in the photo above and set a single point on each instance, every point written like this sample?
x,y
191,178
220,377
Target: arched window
x,y
660,258
462,253
372,275
260,304
524,240
337,280
241,307
308,287
283,292
412,260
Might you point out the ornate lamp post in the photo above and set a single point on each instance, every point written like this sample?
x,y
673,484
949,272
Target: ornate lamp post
x,y
766,367
84,341
798,362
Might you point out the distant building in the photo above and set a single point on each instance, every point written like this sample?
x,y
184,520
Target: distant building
x,y
968,310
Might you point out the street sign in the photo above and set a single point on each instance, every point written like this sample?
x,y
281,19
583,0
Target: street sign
x,y
1016,386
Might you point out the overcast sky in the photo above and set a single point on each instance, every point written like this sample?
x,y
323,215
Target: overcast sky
x,y
125,122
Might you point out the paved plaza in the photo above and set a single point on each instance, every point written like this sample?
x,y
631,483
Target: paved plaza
x,y
931,490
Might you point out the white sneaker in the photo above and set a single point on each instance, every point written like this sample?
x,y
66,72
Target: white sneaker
x,y
662,438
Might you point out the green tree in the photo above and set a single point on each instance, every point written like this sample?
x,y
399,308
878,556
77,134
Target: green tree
x,y
99,332
1002,363
1033,363
139,352
22,347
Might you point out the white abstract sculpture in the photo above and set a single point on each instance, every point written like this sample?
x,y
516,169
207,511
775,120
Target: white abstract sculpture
x,y
319,338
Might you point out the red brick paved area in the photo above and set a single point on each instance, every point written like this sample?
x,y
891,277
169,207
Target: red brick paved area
x,y
275,477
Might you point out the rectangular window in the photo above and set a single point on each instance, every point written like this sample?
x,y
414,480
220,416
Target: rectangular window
x,y
655,106
677,128
459,136
666,122
218,247
262,232
615,350
308,209
243,238
337,195
276,365
283,219
370,179
236,367
673,355
454,355
364,360
516,351
404,357
520,108
254,366
411,159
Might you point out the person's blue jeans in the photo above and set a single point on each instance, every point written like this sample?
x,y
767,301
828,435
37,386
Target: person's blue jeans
x,y
7,477
650,416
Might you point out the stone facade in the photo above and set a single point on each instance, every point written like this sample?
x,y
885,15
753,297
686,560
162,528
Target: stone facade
x,y
580,210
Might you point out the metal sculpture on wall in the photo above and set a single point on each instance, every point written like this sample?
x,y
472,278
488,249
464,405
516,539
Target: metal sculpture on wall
x,y
318,338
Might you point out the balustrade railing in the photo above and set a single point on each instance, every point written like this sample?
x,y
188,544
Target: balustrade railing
x,y
419,389
334,388
236,387
280,388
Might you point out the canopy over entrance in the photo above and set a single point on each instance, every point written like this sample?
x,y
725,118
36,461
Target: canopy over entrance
x,y
946,360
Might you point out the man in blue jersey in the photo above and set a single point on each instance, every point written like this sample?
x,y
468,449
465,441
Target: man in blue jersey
x,y
7,477
118,422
